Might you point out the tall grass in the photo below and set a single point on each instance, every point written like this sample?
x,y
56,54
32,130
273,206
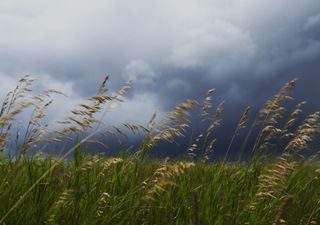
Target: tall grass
x,y
134,189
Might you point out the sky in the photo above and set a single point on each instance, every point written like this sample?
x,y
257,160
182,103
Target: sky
x,y
170,49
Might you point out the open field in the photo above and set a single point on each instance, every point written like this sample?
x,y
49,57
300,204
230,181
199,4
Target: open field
x,y
268,188
128,191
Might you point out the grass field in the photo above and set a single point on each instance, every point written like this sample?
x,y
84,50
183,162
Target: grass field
x,y
121,190
135,189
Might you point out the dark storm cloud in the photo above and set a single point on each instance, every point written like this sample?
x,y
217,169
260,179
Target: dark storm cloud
x,y
172,50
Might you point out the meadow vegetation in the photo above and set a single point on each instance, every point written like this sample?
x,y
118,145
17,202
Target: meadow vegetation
x,y
132,188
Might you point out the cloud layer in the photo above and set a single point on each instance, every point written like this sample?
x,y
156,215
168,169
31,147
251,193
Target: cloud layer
x,y
171,49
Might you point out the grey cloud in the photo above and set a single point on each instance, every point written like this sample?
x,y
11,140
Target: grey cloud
x,y
172,50
140,72
215,46
312,22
